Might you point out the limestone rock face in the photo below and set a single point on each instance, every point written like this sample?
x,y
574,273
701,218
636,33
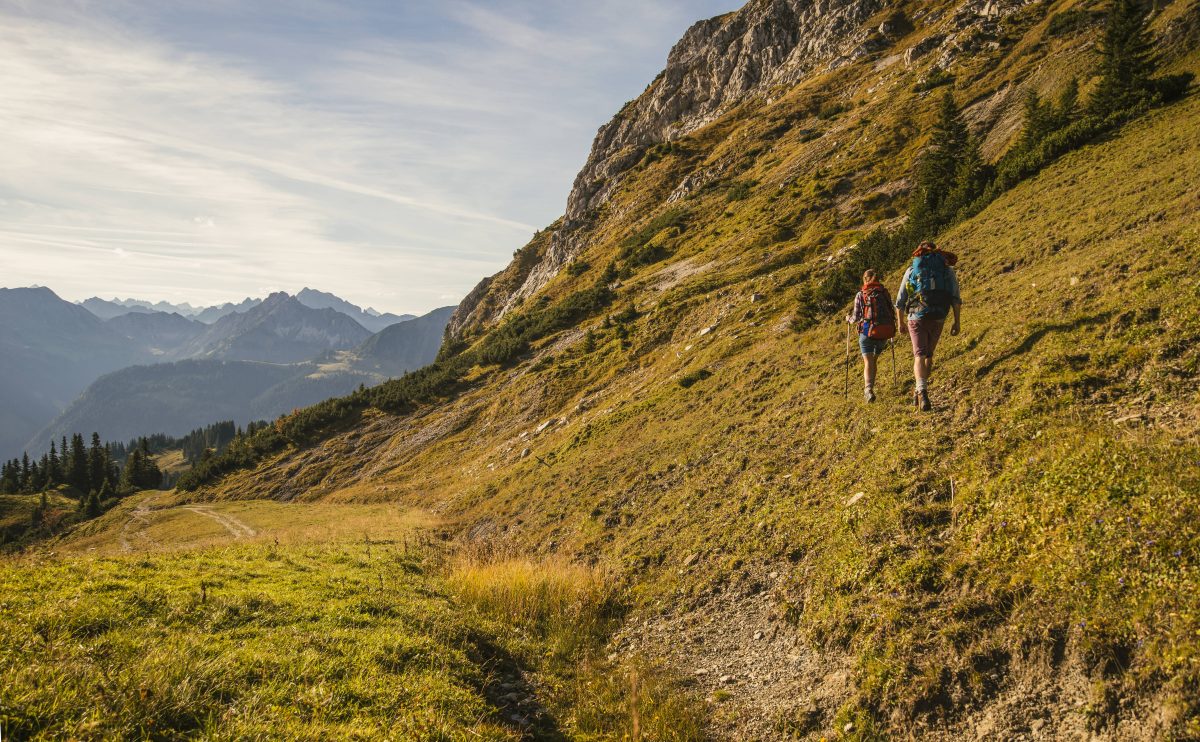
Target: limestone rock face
x,y
717,63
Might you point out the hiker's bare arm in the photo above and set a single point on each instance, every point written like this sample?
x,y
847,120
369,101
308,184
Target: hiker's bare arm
x,y
900,321
957,307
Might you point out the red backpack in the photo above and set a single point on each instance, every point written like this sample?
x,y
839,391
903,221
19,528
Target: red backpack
x,y
879,316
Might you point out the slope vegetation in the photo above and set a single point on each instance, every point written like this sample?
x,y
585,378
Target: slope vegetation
x,y
1024,558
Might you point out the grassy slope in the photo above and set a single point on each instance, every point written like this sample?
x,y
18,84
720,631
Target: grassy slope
x,y
1067,422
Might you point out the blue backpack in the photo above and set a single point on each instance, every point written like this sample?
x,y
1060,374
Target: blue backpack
x,y
929,287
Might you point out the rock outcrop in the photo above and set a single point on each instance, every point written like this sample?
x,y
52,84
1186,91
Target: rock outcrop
x,y
716,64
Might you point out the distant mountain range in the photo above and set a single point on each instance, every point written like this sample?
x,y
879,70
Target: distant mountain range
x,y
174,398
368,318
263,356
279,330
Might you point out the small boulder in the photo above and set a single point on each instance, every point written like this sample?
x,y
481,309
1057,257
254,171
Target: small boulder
x,y
858,496
896,26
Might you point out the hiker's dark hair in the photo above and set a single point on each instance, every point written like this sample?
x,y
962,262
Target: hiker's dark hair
x,y
927,243
870,275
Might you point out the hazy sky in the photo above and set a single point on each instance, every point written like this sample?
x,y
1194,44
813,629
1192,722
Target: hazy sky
x,y
393,152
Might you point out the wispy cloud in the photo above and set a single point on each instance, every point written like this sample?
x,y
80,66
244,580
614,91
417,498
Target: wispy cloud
x,y
392,153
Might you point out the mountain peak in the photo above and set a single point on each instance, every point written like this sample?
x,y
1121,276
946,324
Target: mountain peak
x,y
276,298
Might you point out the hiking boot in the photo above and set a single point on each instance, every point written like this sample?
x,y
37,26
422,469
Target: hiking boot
x,y
923,397
916,400
869,393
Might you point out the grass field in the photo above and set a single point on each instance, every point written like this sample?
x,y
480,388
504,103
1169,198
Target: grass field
x,y
154,521
263,620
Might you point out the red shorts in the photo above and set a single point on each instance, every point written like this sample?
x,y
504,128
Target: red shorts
x,y
925,334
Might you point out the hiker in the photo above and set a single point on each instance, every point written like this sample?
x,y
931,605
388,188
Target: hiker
x,y
876,326
928,293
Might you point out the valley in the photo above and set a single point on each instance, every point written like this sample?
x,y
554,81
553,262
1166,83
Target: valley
x,y
145,371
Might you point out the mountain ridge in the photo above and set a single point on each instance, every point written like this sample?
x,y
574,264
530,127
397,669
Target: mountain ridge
x,y
370,318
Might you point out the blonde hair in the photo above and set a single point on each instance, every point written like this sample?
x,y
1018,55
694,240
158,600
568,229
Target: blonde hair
x,y
870,275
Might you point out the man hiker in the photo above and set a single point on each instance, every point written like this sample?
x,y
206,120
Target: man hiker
x,y
928,293
876,326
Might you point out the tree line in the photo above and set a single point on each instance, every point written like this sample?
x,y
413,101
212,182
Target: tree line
x,y
94,472
101,471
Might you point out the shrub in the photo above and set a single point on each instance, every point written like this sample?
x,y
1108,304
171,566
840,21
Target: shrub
x,y
936,78
739,191
832,111
689,380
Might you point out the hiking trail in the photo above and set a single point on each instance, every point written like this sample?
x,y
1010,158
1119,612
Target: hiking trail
x,y
236,528
137,516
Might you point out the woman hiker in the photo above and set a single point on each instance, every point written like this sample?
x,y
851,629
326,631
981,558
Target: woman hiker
x,y
876,325
928,293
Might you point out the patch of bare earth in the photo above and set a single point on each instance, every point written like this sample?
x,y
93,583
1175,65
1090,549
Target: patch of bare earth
x,y
761,680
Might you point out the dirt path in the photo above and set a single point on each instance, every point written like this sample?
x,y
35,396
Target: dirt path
x,y
753,666
235,527
137,518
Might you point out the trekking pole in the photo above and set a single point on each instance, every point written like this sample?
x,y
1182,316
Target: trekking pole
x,y
846,387
895,382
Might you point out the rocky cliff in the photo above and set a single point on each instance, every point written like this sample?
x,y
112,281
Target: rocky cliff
x,y
717,63
720,62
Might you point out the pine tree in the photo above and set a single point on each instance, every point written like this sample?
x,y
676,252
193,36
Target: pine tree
x,y
112,473
92,507
25,478
1068,103
36,483
1039,121
1127,63
129,476
54,474
939,168
97,463
12,477
77,475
